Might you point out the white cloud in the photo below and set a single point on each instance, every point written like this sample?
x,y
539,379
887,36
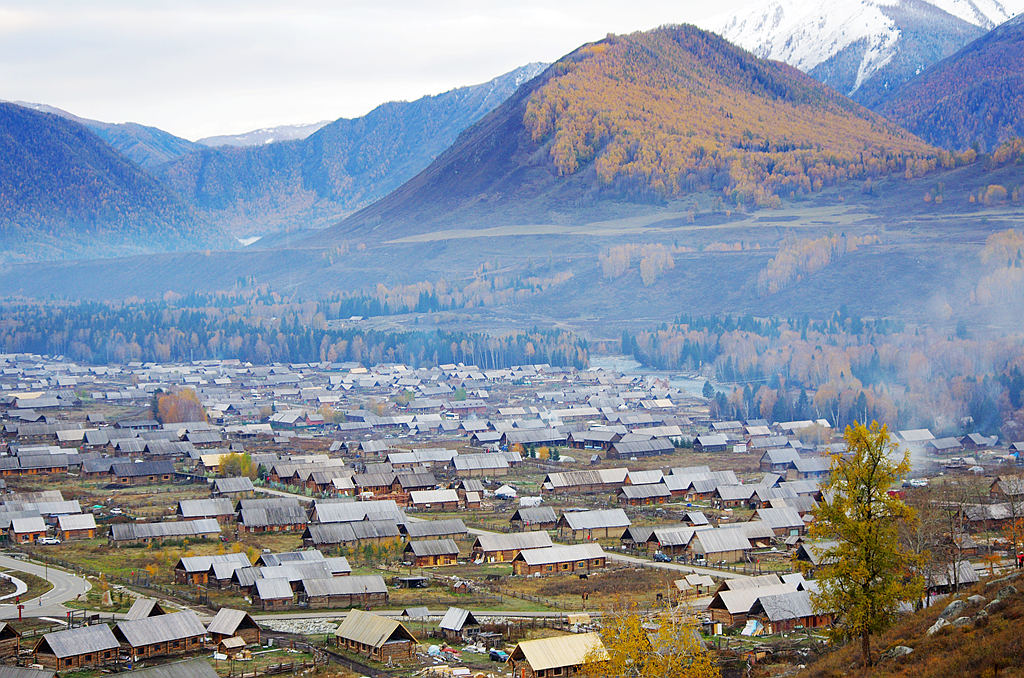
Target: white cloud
x,y
198,68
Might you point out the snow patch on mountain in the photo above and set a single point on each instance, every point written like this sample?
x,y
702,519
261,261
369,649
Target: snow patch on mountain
x,y
805,33
985,13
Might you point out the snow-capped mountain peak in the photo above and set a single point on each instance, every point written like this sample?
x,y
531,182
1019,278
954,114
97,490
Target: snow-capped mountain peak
x,y
855,44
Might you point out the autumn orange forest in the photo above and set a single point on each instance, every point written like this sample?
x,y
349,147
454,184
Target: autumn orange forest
x,y
677,110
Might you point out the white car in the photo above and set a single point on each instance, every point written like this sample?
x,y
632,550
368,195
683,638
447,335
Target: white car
x,y
48,541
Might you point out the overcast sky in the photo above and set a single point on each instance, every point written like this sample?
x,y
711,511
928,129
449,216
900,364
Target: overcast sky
x,y
203,67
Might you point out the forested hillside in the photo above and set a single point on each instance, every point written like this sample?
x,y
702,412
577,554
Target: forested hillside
x,y
345,165
653,116
146,146
66,192
975,97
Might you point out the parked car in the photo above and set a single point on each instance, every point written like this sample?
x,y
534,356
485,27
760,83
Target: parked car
x,y
662,558
499,656
48,541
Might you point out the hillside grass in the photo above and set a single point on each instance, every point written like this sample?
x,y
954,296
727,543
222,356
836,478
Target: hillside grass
x,y
989,647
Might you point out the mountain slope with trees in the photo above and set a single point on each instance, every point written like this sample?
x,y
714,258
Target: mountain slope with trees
x,y
146,146
647,118
67,193
975,97
345,165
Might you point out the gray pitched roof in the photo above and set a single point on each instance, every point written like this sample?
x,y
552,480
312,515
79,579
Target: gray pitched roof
x,y
81,640
433,547
230,485
456,618
203,508
24,672
160,629
589,520
227,621
535,514
144,607
783,606
513,541
165,530
270,589
434,528
345,586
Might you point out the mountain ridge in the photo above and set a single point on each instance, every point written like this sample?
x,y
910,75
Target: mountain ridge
x,y
339,168
862,48
608,122
144,145
68,193
975,96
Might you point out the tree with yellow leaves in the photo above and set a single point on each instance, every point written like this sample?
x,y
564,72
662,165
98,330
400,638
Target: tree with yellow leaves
x,y
236,465
665,644
179,406
867,572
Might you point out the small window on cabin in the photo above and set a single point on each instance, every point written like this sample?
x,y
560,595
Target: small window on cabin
x,y
549,568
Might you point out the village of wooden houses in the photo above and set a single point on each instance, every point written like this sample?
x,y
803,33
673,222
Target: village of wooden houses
x,y
220,518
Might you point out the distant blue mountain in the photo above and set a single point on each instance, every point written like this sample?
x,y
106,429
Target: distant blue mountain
x,y
347,164
67,193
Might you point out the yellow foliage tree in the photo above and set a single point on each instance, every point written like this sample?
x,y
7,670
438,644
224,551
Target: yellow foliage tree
x,y
665,644
866,574
236,465
179,406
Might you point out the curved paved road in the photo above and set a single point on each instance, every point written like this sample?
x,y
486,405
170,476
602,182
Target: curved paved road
x,y
66,587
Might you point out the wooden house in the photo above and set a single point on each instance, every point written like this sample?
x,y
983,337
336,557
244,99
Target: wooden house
x,y
27,530
432,552
733,606
357,590
163,635
501,548
458,625
230,623
273,594
200,569
143,473
589,525
76,526
559,560
711,442
379,638
782,612
533,518
10,640
434,500
271,515
557,656
142,533
222,510
643,495
1007,487
78,648
233,488
435,529
728,545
